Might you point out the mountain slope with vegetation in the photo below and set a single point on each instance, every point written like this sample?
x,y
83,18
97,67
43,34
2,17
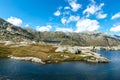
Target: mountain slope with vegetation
x,y
9,32
81,39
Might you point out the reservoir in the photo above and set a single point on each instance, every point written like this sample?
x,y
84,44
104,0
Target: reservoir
x,y
21,70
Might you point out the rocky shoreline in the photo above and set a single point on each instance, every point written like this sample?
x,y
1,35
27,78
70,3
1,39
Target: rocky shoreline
x,y
96,58
43,53
85,54
32,59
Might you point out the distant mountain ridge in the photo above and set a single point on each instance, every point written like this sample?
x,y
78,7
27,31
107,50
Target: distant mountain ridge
x,y
83,39
14,33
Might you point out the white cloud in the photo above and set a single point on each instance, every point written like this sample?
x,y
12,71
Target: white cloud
x,y
92,8
75,6
15,21
57,13
117,15
66,7
27,25
115,28
64,29
73,18
44,28
87,25
63,20
70,19
100,15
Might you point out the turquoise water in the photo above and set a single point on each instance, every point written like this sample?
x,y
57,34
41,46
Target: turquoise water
x,y
21,70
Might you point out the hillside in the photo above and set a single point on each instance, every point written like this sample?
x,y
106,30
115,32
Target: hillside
x,y
14,33
83,39
17,34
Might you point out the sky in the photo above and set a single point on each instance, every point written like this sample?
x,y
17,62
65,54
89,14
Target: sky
x,y
63,15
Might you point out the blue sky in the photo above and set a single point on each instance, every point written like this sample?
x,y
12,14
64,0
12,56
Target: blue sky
x,y
63,15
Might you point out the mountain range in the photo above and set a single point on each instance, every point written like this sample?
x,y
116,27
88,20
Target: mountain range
x,y
9,32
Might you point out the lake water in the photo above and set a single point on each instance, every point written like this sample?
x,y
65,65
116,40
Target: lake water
x,y
21,70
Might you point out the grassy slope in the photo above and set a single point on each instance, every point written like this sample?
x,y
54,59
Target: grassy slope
x,y
45,52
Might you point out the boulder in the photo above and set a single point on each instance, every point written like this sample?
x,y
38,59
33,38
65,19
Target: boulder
x,y
61,49
68,49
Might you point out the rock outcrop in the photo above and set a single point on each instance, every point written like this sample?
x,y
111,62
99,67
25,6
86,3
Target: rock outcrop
x,y
9,43
68,49
10,32
85,52
33,59
90,56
